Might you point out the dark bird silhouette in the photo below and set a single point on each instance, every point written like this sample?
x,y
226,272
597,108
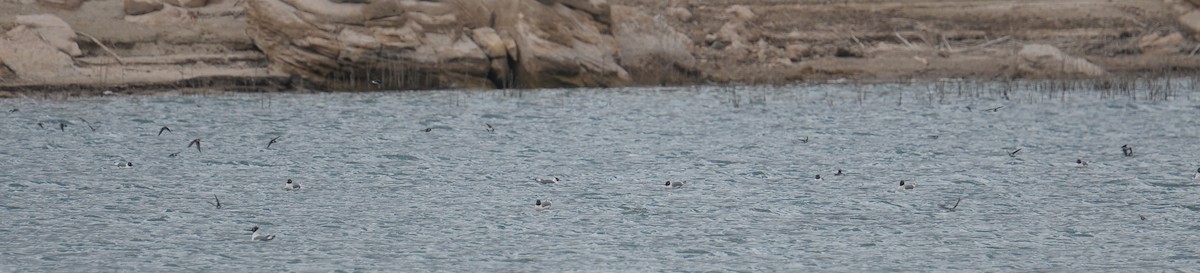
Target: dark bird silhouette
x,y
62,127
428,129
218,203
1014,153
197,142
1127,150
14,110
164,128
994,109
951,208
173,154
969,109
490,128
804,140
273,140
89,124
40,125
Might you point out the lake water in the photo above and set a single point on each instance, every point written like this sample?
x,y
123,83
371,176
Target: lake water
x,y
381,194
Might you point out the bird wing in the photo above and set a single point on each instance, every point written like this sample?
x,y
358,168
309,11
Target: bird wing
x,y
197,142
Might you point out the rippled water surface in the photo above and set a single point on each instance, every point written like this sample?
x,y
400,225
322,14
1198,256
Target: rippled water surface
x,y
382,194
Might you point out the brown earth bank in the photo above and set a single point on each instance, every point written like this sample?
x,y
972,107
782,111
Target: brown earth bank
x,y
129,46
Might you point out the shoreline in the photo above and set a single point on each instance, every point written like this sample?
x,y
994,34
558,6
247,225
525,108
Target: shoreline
x,y
241,46
1157,86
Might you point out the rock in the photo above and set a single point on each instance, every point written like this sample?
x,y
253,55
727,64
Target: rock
x,y
168,15
650,48
599,9
731,33
187,3
740,12
1044,61
734,32
561,49
55,31
32,57
1160,43
139,7
6,74
193,3
679,13
1191,21
408,44
61,4
849,52
797,52
490,42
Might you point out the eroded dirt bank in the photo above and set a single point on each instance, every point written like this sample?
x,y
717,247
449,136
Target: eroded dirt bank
x,y
126,46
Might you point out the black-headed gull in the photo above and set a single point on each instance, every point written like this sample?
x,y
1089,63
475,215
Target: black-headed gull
x,y
260,236
673,185
541,205
291,186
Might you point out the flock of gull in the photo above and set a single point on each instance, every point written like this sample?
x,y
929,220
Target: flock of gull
x,y
539,205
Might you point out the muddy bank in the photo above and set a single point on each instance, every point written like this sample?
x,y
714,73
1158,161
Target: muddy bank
x,y
129,46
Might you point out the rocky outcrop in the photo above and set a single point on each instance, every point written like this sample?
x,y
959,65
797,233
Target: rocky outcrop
x,y
408,44
53,30
139,7
61,4
39,48
650,48
1044,61
1191,21
167,15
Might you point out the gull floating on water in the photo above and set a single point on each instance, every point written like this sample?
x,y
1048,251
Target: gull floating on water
x,y
1079,163
291,186
673,185
546,180
1127,150
903,186
1197,175
541,205
839,172
125,165
260,236
818,178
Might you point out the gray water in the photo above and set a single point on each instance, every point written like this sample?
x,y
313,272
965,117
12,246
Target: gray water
x,y
381,194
